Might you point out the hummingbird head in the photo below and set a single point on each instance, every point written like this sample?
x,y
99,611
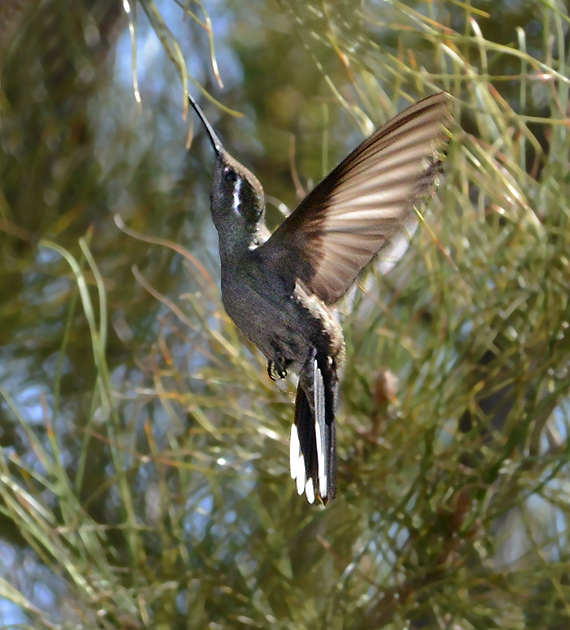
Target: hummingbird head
x,y
237,196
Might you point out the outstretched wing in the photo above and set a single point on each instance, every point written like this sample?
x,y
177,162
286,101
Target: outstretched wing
x,y
366,205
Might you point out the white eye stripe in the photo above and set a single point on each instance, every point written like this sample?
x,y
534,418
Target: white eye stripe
x,y
237,190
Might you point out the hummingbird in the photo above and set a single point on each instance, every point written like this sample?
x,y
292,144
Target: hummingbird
x,y
281,288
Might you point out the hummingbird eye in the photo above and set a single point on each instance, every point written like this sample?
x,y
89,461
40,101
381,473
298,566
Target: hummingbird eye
x,y
230,175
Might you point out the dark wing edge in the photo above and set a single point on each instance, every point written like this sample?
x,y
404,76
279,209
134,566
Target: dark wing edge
x,y
368,205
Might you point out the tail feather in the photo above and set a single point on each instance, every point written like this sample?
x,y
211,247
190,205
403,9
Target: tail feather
x,y
313,444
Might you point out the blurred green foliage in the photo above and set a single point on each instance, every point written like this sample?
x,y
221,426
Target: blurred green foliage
x,y
143,449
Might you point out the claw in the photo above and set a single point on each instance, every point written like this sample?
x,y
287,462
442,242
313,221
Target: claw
x,y
276,370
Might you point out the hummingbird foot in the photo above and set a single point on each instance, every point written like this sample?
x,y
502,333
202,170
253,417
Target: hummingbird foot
x,y
277,369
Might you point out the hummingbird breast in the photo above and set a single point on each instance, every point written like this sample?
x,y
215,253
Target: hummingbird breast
x,y
278,315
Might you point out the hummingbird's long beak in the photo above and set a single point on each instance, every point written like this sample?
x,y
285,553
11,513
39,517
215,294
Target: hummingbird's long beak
x,y
216,142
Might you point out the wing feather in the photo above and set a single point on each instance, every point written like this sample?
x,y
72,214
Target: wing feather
x,y
367,205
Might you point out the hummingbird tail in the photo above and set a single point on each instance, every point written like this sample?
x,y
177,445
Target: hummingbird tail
x,y
313,443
